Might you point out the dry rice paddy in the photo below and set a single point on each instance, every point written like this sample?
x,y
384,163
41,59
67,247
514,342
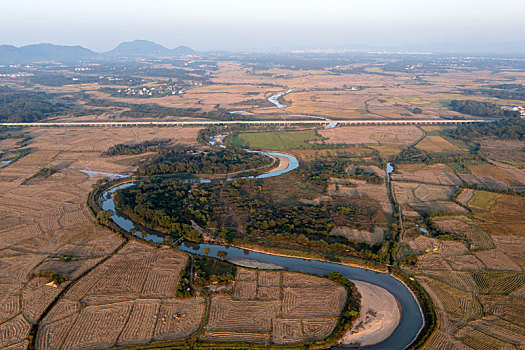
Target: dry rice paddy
x,y
287,307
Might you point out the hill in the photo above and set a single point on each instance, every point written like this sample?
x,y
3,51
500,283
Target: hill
x,y
44,52
145,48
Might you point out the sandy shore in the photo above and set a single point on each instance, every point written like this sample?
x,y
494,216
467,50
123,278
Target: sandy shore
x,y
283,163
380,316
254,264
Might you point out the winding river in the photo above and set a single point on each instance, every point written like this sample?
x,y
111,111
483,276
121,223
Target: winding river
x,y
411,316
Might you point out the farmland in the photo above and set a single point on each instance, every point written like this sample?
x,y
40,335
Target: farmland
x,y
278,141
303,308
465,260
450,216
52,248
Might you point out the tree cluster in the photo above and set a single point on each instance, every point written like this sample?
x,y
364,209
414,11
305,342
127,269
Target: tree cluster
x,y
480,109
189,160
27,106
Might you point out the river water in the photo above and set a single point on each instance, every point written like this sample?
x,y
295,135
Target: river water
x,y
275,99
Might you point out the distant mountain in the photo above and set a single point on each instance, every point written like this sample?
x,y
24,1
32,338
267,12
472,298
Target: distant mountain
x,y
44,52
183,50
145,48
48,52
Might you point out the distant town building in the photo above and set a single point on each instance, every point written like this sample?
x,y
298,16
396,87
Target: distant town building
x,y
515,109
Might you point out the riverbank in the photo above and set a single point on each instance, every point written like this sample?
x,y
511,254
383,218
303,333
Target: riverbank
x,y
254,264
379,316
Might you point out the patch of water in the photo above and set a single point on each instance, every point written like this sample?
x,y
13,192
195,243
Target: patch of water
x,y
98,173
275,99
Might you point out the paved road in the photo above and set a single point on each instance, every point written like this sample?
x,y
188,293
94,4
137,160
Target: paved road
x,y
248,122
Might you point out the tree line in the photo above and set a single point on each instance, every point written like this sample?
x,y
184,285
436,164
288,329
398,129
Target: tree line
x,y
481,109
189,160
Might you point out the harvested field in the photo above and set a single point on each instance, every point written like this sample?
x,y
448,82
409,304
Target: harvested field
x,y
506,217
479,239
269,279
141,323
412,193
501,329
178,318
246,275
287,331
497,260
443,341
436,144
276,140
318,328
14,331
247,316
514,247
52,335
466,263
456,279
303,313
360,236
62,309
268,293
517,173
313,302
292,279
510,309
100,139
476,339
483,200
483,181
160,284
465,196
87,332
452,300
430,177
35,298
245,290
129,275
236,337
354,135
432,262
495,172
498,282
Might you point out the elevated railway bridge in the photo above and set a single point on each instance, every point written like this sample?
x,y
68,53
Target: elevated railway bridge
x,y
172,123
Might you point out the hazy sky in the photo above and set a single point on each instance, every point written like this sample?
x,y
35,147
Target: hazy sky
x,y
262,24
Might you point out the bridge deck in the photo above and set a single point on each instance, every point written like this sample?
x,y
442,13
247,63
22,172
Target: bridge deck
x,y
252,122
